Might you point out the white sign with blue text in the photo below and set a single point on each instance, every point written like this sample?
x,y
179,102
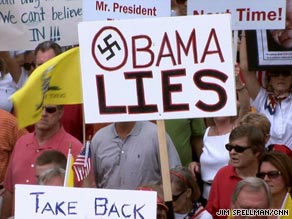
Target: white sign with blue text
x,y
49,202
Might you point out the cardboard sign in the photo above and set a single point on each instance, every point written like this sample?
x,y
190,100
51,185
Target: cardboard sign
x,y
246,15
41,202
24,24
160,68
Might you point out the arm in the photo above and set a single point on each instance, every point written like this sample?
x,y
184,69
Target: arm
x,y
13,67
197,146
242,95
194,167
252,84
6,211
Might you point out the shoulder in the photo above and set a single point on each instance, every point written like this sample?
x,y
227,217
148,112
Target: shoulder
x,y
152,126
7,118
67,137
224,172
26,138
145,127
104,130
103,134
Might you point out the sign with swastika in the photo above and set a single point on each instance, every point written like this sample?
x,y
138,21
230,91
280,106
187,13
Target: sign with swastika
x,y
157,68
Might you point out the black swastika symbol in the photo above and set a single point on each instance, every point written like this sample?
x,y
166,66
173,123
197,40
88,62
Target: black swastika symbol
x,y
109,47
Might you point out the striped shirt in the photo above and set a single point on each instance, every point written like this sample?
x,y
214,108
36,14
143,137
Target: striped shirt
x,y
9,134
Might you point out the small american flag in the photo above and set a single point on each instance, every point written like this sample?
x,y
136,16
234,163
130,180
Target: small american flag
x,y
82,164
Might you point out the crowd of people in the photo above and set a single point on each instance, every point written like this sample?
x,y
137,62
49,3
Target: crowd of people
x,y
215,164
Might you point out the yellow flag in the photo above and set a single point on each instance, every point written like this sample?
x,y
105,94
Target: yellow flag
x,y
69,174
57,81
287,205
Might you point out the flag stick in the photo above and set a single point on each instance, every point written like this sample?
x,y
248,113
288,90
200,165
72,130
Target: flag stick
x,y
87,145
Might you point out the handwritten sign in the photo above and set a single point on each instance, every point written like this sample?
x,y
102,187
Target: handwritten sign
x,y
41,202
121,9
146,72
26,23
246,15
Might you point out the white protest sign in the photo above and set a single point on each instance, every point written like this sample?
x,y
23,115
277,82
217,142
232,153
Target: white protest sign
x,y
24,24
49,202
136,70
124,9
246,15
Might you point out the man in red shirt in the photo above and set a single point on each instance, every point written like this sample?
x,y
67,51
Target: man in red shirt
x,y
49,134
247,143
72,119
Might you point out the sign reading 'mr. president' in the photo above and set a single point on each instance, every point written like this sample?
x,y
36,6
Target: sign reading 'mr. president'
x,y
157,68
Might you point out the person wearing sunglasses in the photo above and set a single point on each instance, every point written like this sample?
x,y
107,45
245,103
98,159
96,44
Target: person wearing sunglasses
x,y
275,168
185,195
274,99
246,144
49,134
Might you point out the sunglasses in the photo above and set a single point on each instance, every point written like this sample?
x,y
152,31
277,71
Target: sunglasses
x,y
277,74
50,109
271,174
237,148
176,197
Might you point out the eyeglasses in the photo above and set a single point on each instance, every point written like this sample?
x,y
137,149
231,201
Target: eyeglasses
x,y
237,148
176,197
273,174
50,109
277,74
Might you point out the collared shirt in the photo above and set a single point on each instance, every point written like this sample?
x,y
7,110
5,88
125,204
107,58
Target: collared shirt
x,y
21,165
9,133
129,163
281,121
221,190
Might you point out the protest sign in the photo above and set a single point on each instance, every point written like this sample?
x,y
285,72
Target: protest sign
x,y
121,9
41,202
24,24
246,15
136,70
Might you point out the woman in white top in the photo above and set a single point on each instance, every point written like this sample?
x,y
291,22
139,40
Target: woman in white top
x,y
214,155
